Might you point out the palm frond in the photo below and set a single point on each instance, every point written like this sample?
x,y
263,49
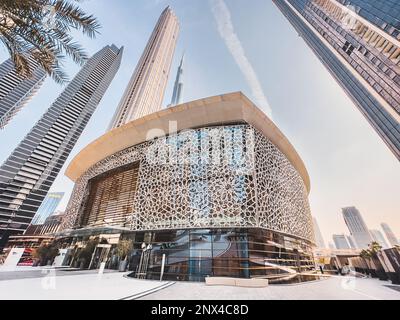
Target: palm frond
x,y
72,15
25,34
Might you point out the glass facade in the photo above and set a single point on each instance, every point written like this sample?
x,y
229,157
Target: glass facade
x,y
393,241
378,237
27,175
47,208
364,60
340,241
385,14
318,234
357,227
193,254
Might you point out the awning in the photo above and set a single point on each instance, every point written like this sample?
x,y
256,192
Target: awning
x,y
91,231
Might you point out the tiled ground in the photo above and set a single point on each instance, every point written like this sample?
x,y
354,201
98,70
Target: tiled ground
x,y
58,284
55,285
331,289
397,288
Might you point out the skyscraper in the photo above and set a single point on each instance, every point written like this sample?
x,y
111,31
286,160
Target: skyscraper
x,y
357,227
178,86
389,234
358,42
15,90
49,226
27,175
351,242
145,91
318,235
340,241
47,207
378,237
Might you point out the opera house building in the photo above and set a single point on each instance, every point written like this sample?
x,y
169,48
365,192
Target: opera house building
x,y
206,188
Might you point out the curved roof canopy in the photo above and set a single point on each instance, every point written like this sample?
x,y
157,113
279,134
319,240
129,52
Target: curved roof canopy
x,y
217,110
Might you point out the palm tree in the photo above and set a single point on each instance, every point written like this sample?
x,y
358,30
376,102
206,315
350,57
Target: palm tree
x,y
374,248
124,247
40,30
366,255
46,253
371,253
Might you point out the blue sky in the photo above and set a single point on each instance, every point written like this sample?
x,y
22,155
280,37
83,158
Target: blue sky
x,y
348,163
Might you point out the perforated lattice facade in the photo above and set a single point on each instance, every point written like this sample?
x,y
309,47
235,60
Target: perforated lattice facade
x,y
217,177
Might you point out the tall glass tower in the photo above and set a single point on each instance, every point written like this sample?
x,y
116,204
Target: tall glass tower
x,y
178,86
318,235
15,90
358,42
341,241
378,237
47,208
351,242
145,91
27,175
390,234
357,227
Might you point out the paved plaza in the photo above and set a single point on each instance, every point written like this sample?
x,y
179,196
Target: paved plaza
x,y
51,284
333,288
56,284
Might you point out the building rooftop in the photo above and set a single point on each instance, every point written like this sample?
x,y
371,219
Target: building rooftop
x,y
217,110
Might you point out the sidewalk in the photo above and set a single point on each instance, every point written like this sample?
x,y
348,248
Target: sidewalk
x,y
333,288
107,286
28,268
86,284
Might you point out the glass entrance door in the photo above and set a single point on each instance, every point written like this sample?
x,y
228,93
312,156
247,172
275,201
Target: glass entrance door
x,y
100,255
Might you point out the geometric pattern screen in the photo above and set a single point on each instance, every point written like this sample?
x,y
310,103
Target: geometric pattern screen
x,y
213,177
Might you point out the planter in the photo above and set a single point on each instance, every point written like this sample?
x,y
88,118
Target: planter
x,y
122,266
382,275
373,274
394,277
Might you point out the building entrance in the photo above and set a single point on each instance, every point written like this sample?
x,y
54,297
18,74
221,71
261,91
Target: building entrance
x,y
100,255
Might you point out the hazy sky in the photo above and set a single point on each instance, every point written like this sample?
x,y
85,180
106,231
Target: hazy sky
x,y
254,49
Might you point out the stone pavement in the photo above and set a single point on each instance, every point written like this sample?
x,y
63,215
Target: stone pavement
x,y
333,288
39,272
51,284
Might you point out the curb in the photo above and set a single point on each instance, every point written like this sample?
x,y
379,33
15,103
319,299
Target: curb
x,y
147,292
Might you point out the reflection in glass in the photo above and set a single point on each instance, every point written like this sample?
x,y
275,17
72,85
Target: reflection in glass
x,y
195,254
